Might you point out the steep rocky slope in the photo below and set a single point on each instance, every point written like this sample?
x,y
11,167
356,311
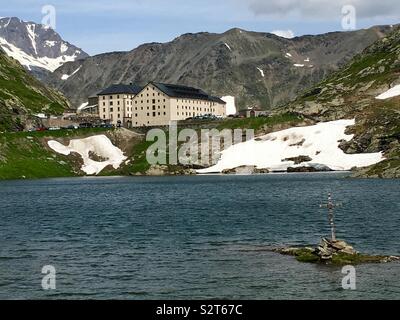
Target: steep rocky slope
x,y
352,93
259,69
22,95
37,47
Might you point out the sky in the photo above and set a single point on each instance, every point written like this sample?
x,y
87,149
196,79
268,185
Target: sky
x,y
99,26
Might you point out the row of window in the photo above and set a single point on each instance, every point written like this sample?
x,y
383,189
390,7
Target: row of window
x,y
154,114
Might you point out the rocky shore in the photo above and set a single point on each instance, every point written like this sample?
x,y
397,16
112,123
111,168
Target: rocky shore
x,y
336,252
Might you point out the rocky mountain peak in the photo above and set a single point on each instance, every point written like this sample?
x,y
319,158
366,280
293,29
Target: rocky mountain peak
x,y
37,47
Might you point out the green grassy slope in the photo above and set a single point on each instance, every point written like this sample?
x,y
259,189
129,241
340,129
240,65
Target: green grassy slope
x,y
21,95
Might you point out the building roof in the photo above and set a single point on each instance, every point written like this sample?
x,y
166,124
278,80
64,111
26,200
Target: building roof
x,y
178,91
121,88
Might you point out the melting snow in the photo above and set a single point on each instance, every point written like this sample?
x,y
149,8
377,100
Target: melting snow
x,y
393,92
83,106
32,35
99,145
28,61
299,65
288,55
230,105
262,72
320,142
227,45
307,60
50,43
66,76
64,48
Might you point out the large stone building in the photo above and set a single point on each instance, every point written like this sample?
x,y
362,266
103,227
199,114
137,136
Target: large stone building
x,y
156,104
115,103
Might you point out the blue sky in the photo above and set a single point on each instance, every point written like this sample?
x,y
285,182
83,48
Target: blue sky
x,y
102,26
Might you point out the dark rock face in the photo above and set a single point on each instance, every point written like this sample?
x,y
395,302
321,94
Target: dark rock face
x,y
39,43
245,170
298,160
328,248
257,68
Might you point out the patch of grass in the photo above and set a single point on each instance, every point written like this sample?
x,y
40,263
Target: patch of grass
x,y
24,155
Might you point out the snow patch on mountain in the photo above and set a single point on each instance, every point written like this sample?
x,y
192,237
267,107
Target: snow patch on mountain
x,y
393,92
28,61
261,71
99,145
31,33
227,45
319,142
50,43
66,76
36,46
230,105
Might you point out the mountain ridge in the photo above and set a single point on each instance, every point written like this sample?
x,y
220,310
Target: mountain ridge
x,y
221,64
37,47
353,92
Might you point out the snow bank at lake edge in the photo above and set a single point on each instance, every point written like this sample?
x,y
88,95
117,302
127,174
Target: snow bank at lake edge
x,y
319,142
99,145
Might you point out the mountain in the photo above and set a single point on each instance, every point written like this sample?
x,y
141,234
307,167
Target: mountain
x,y
22,95
37,47
259,69
367,89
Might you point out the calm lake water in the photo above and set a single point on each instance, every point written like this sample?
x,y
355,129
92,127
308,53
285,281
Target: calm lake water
x,y
193,237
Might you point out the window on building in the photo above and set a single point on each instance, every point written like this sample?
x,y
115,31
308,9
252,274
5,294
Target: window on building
x,y
111,97
135,114
154,101
148,114
111,103
165,113
159,114
154,114
118,103
104,104
119,109
117,96
111,109
154,107
104,116
104,97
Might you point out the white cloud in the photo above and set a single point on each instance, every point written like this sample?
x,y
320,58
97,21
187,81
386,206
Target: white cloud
x,y
289,34
324,8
